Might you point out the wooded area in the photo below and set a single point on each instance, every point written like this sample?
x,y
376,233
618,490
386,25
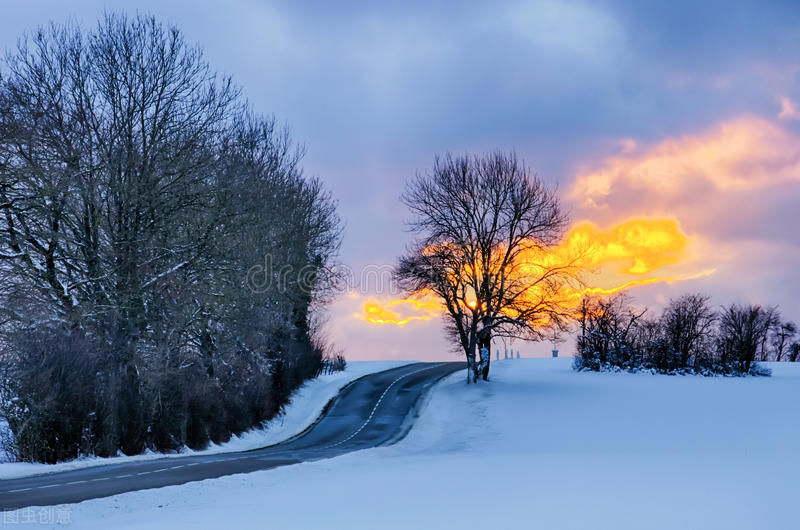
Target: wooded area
x,y
137,189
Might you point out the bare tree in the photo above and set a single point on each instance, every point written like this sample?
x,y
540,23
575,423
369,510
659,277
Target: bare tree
x,y
608,330
743,332
782,339
688,324
772,321
484,226
794,352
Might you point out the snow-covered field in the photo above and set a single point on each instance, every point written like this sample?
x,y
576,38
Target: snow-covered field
x,y
539,447
305,406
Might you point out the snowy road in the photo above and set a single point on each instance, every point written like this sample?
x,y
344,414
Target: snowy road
x,y
375,410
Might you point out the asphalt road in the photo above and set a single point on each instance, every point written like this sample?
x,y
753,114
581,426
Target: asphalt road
x,y
374,410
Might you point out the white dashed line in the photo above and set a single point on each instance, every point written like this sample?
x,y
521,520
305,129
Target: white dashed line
x,y
76,482
19,490
144,473
123,476
380,399
177,467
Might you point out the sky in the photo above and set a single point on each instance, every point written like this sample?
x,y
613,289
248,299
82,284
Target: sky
x,y
671,130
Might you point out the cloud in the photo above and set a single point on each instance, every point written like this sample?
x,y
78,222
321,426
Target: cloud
x,y
581,30
636,246
789,110
742,154
632,253
400,312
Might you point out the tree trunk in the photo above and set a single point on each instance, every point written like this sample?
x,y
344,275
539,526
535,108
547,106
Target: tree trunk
x,y
472,371
485,347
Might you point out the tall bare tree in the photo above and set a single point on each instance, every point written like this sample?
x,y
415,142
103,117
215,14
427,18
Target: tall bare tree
x,y
484,227
782,339
688,326
743,333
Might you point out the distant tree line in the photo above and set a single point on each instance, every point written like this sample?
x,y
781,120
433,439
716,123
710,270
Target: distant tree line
x,y
689,336
137,189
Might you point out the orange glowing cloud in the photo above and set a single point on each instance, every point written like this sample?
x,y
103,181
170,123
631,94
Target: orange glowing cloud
x,y
742,154
402,312
635,248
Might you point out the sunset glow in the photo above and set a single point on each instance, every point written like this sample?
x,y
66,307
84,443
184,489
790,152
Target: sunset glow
x,y
745,153
400,312
615,259
637,246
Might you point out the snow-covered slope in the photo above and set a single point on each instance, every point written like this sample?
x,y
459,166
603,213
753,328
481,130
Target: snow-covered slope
x,y
305,406
539,447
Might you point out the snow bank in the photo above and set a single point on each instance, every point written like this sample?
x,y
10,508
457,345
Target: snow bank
x,y
305,406
540,446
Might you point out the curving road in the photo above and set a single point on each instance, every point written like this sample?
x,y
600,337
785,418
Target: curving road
x,y
377,409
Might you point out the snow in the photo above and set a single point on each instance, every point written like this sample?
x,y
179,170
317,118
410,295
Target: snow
x,y
540,446
304,408
3,429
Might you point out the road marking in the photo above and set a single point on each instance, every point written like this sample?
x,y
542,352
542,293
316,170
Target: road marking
x,y
144,473
99,479
19,490
123,476
177,467
76,482
194,464
47,486
380,399
159,470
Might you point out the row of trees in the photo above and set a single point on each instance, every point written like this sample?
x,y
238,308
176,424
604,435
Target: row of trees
x,y
137,190
689,336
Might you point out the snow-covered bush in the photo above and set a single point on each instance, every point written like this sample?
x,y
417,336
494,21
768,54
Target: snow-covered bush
x,y
687,338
